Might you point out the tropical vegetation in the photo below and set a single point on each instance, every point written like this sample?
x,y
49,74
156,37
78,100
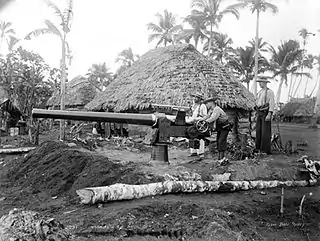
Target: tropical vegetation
x,y
288,64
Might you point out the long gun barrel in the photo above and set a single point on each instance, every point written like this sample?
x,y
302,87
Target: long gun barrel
x,y
138,119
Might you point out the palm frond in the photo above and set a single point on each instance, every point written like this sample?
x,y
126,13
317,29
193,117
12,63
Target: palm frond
x,y
198,4
155,28
53,28
67,16
270,6
10,31
55,9
231,10
39,32
176,28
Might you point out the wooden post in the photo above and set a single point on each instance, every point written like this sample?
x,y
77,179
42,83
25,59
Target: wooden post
x,y
37,132
121,130
107,130
160,153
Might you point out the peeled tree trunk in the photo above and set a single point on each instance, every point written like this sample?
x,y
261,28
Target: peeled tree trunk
x,y
128,192
256,55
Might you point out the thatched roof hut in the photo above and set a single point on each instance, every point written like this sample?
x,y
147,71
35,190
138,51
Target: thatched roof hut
x,y
306,109
299,107
79,92
168,76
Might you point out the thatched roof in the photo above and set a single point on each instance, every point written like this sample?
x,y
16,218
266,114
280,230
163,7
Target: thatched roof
x,y
306,109
168,76
299,107
79,92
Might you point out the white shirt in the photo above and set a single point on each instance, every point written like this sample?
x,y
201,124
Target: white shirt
x,y
217,114
263,99
198,111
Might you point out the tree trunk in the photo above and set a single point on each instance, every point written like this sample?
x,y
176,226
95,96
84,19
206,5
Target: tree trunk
x,y
293,87
279,93
315,86
305,88
290,87
128,192
316,110
210,40
196,41
256,53
16,150
295,92
63,85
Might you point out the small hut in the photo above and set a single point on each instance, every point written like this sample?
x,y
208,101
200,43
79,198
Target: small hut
x,y
298,110
168,76
79,92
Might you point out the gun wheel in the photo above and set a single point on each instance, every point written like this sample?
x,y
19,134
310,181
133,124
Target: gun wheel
x,y
202,126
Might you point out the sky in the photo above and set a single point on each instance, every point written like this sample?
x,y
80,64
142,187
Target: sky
x,y
101,29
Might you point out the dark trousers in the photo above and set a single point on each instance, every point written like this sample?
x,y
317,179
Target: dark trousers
x,y
222,135
263,133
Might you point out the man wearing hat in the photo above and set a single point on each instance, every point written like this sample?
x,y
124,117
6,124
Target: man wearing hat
x,y
216,114
265,107
199,110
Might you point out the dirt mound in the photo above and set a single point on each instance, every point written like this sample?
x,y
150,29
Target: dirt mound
x,y
57,169
27,225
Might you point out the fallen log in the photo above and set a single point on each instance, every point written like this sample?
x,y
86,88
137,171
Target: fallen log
x,y
16,150
127,192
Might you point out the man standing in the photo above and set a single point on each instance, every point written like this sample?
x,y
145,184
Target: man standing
x,y
265,108
216,114
199,110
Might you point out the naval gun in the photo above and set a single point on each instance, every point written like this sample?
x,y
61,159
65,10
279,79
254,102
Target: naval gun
x,y
163,126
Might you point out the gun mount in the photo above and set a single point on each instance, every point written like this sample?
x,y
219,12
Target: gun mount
x,y
164,126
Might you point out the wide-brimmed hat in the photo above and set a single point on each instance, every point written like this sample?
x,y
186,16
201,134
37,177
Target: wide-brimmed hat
x,y
198,95
263,80
211,99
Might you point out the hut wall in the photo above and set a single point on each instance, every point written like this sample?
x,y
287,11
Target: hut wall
x,y
233,118
139,130
241,124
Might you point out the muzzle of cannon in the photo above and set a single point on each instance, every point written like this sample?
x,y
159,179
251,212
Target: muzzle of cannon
x,y
163,126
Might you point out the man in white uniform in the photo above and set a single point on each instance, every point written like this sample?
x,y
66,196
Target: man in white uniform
x,y
199,110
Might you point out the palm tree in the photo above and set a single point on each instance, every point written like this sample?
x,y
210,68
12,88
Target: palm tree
x,y
317,59
221,47
210,10
305,62
127,57
284,61
166,29
257,6
65,19
243,64
316,110
99,75
197,32
304,34
6,32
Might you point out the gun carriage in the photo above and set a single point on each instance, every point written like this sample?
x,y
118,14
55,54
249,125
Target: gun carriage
x,y
163,126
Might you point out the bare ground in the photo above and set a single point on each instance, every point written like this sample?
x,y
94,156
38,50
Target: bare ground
x,y
252,215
